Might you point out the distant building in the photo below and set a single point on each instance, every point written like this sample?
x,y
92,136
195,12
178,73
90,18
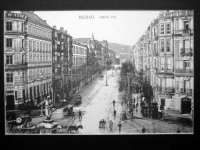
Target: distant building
x,y
123,57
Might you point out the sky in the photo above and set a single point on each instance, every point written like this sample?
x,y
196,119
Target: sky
x,y
123,27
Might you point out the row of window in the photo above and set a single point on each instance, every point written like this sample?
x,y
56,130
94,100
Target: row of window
x,y
14,42
10,59
39,32
33,74
165,44
40,46
186,64
32,58
79,50
79,60
165,28
40,58
14,26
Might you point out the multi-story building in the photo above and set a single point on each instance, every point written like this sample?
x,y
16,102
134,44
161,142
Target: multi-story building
x,y
28,58
79,65
169,56
60,63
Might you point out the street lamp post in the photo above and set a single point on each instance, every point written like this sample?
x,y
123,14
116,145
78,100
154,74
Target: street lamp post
x,y
112,71
106,75
128,75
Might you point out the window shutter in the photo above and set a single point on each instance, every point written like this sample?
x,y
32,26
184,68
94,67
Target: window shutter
x,y
180,23
14,43
20,26
15,26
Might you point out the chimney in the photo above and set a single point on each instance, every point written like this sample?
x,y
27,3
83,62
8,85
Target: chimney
x,y
61,29
54,27
65,31
45,21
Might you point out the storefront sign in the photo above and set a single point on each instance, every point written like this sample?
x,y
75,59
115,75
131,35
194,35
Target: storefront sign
x,y
16,15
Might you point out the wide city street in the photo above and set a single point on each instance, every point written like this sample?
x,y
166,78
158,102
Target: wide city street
x,y
97,105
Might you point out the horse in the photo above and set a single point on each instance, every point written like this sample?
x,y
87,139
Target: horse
x,y
74,128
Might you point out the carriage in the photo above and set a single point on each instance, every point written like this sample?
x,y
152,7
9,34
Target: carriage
x,y
74,127
68,110
48,127
18,121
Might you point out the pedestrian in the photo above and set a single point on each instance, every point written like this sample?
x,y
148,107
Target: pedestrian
x,y
73,116
110,125
29,107
114,103
121,103
115,113
80,115
143,130
178,131
131,111
120,125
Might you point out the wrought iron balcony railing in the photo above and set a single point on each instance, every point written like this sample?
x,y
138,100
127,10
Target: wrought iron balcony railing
x,y
183,32
186,51
184,71
185,90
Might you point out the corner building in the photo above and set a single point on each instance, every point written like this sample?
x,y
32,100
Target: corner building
x,y
169,40
29,64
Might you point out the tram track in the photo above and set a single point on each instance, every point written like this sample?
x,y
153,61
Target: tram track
x,y
69,122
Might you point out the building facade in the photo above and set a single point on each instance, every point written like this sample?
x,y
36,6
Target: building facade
x,y
28,58
168,60
79,69
60,64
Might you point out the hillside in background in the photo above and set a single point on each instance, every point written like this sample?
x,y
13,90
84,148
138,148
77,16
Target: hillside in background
x,y
119,48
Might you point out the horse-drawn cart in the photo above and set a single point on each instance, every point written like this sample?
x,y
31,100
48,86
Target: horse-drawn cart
x,y
68,110
17,120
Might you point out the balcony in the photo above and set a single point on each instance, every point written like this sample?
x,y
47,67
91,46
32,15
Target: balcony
x,y
168,90
16,67
165,89
185,91
184,71
185,32
186,51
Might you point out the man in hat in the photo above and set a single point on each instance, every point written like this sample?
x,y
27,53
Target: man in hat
x,y
119,125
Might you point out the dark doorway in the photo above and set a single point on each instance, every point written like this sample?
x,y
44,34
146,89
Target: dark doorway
x,y
162,104
185,105
10,102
